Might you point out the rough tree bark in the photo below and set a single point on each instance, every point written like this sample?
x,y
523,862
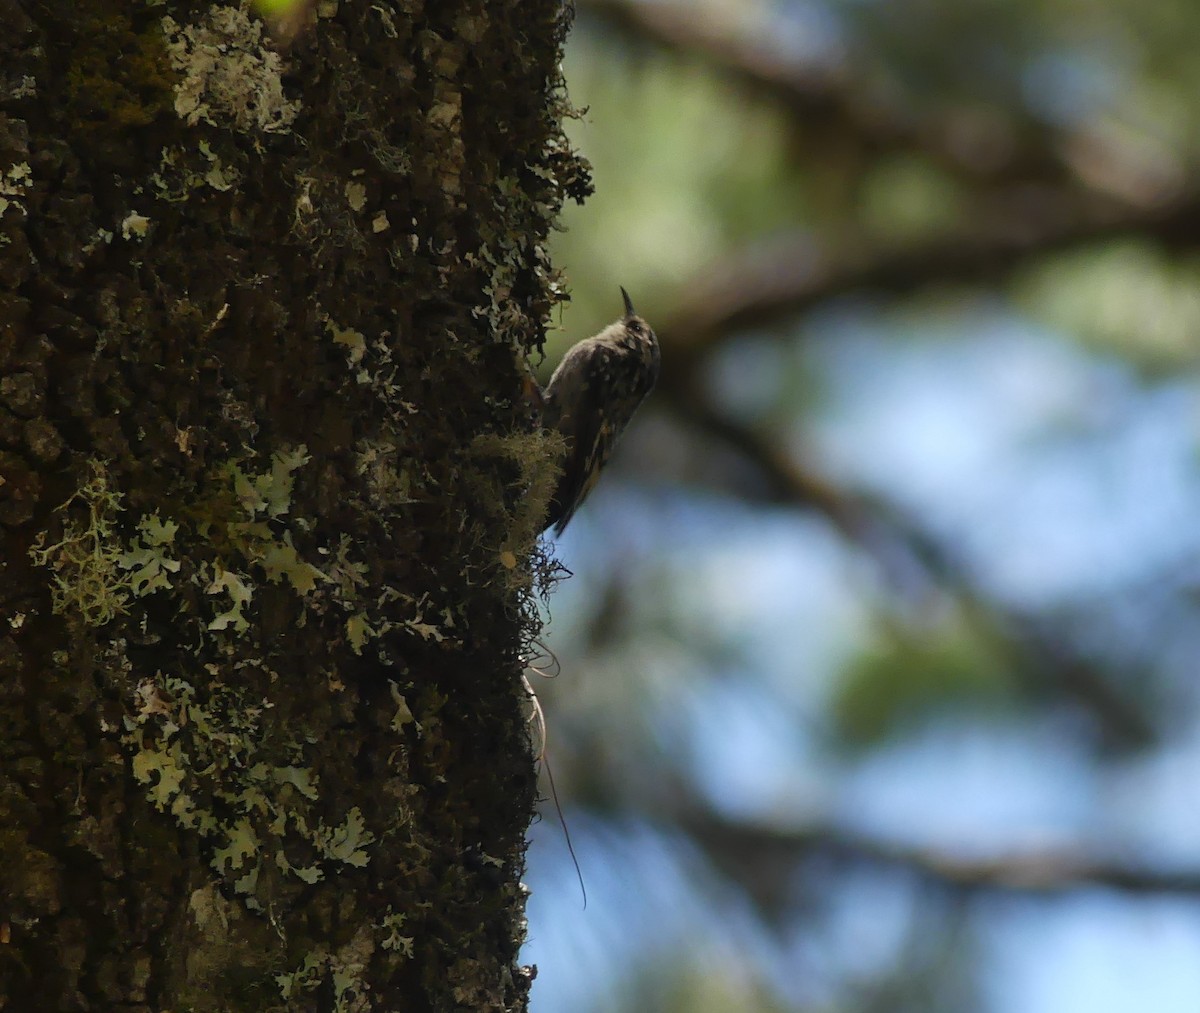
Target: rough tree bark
x,y
269,498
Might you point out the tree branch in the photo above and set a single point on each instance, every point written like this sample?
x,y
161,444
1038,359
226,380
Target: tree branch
x,y
766,853
766,283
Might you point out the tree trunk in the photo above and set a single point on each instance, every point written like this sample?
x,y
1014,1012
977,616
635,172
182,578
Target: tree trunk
x,y
269,498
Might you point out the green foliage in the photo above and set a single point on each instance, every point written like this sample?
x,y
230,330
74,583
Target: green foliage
x,y
907,197
903,681
1126,297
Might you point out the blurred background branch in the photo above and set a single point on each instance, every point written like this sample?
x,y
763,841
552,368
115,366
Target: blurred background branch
x,y
761,857
759,286
835,102
913,564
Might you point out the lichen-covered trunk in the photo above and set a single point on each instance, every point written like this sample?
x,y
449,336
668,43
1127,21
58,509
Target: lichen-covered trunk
x,y
269,497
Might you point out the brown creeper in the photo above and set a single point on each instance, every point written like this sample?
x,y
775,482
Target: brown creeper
x,y
591,398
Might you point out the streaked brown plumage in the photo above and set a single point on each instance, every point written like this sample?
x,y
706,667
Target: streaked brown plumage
x,y
590,399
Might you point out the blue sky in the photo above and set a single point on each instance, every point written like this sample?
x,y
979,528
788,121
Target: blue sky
x,y
1067,477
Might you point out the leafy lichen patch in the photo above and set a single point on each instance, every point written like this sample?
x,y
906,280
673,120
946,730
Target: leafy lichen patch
x,y
88,579
180,173
197,740
343,967
204,759
148,561
14,182
228,75
240,592
270,492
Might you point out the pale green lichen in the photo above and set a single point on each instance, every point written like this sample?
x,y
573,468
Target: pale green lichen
x,y
135,226
347,842
14,182
87,579
352,340
94,573
179,175
264,500
373,363
383,618
240,592
390,479
270,492
305,978
229,76
148,560
200,759
196,741
356,195
390,926
343,969
404,714
262,497
280,561
100,237
359,631
348,574
199,753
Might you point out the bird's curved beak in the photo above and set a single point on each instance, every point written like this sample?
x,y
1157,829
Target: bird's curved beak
x,y
629,310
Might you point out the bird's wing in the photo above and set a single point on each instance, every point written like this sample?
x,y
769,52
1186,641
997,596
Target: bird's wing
x,y
581,417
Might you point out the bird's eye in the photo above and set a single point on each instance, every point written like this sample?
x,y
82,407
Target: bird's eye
x,y
635,327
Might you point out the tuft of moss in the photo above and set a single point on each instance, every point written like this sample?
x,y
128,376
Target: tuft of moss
x,y
119,77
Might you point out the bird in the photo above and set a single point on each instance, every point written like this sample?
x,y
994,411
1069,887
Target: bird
x,y
590,399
